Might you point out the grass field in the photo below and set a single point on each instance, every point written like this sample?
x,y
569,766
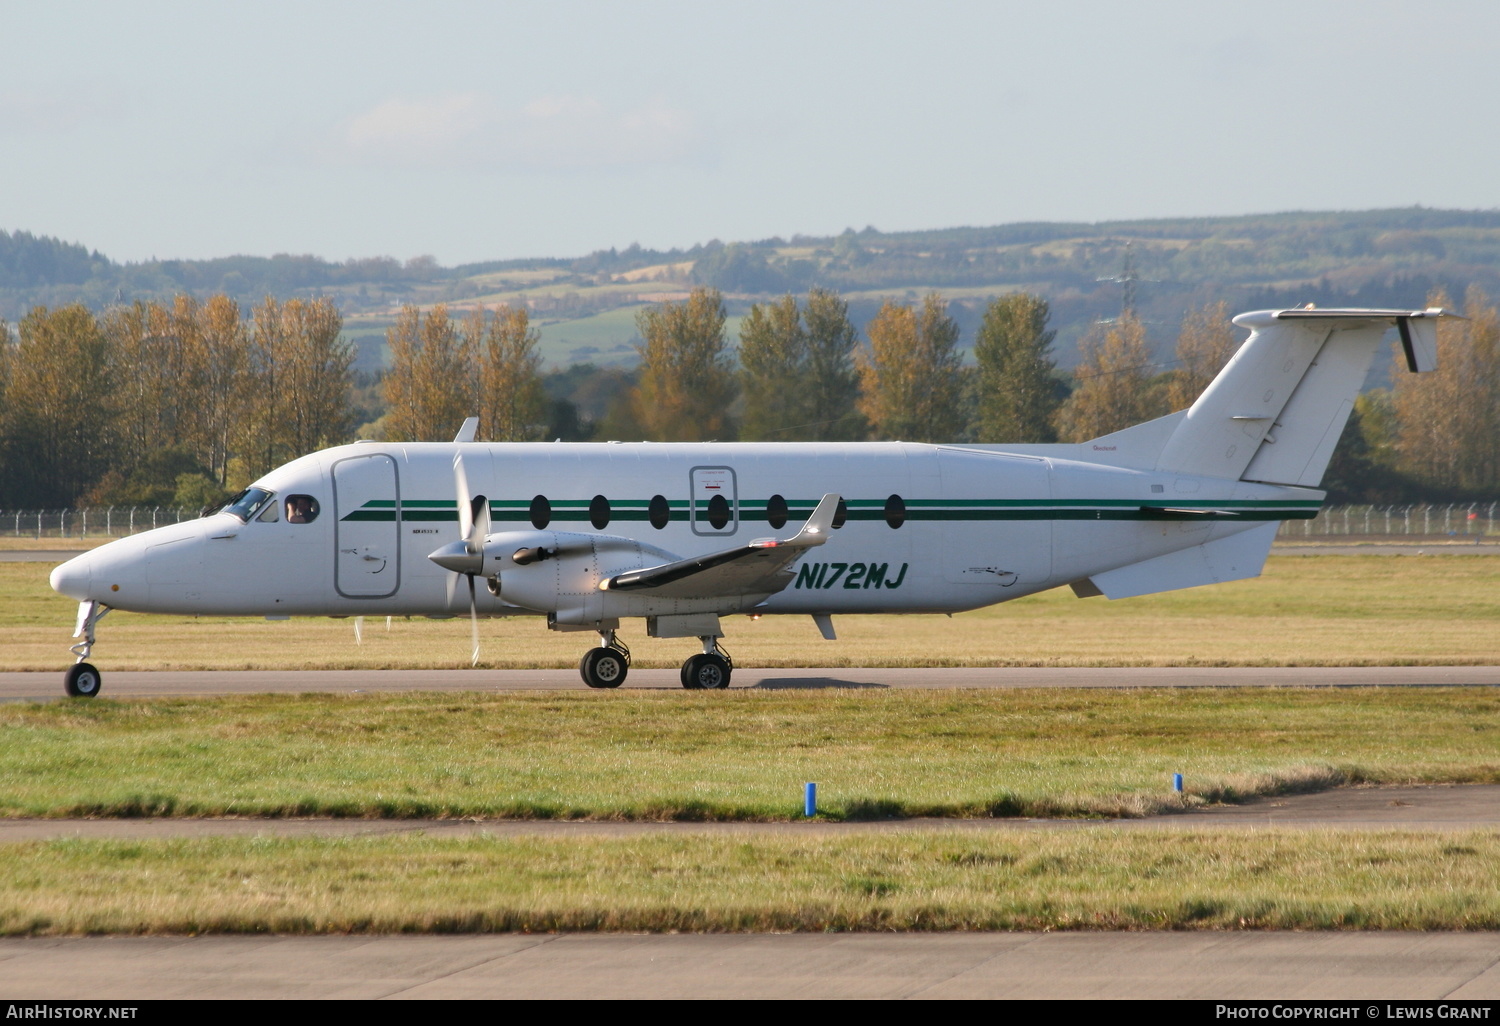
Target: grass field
x,y
738,756
1304,611
929,880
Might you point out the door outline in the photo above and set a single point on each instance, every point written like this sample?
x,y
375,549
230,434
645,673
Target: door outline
x,y
701,526
339,529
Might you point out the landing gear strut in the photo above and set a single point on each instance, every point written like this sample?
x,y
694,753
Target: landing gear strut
x,y
710,669
607,665
82,679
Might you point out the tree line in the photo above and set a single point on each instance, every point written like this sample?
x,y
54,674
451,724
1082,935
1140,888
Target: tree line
x,y
166,403
183,402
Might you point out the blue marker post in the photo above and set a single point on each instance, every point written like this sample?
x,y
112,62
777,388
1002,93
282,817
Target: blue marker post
x,y
810,801
1177,782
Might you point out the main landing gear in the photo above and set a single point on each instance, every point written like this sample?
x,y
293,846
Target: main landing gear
x,y
82,679
608,665
710,669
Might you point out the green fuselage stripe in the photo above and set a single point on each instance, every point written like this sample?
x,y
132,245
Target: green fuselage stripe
x,y
952,510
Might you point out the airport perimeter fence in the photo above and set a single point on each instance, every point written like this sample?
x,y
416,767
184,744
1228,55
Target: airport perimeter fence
x,y
1472,521
1458,521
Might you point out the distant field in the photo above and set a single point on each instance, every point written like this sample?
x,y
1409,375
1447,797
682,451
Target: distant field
x,y
605,338
1305,611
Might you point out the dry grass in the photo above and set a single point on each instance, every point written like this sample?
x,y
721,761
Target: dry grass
x,y
929,880
1305,611
741,755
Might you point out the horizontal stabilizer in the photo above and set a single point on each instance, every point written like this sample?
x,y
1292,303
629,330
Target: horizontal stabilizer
x,y
1232,558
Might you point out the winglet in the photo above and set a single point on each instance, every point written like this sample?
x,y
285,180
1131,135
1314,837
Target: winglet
x,y
815,531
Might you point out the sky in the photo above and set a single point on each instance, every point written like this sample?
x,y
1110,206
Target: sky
x,y
497,130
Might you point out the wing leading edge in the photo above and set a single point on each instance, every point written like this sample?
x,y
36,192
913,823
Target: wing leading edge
x,y
756,568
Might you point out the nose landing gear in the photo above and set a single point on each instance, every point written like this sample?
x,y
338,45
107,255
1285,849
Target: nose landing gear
x,y
82,679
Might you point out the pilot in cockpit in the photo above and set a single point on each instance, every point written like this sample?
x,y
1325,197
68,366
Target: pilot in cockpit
x,y
301,509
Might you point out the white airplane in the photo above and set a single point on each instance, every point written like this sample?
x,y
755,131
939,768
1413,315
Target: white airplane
x,y
685,534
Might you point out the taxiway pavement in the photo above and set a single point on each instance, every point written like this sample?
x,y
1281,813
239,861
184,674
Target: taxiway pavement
x,y
148,684
1355,966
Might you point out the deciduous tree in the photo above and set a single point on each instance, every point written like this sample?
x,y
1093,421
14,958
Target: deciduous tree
x,y
773,372
832,379
512,405
60,405
687,381
431,384
1204,346
1114,383
299,364
911,378
1448,420
1018,395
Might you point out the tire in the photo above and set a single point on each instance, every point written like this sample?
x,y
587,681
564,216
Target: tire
x,y
82,681
705,672
603,667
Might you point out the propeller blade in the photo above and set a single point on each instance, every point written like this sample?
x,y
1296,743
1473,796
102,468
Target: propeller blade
x,y
479,520
473,621
465,507
358,636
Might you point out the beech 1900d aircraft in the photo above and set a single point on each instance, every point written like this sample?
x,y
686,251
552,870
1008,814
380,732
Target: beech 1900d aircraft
x,y
684,534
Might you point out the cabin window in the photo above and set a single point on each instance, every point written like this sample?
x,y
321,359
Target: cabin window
x,y
718,512
599,512
659,512
895,511
776,512
301,509
840,514
541,512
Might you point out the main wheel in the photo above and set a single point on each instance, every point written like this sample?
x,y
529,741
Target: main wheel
x,y
82,681
603,667
707,671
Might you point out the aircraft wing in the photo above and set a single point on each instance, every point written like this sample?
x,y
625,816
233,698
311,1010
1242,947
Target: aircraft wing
x,y
757,568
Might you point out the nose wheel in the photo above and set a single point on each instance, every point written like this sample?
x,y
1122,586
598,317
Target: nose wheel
x,y
81,681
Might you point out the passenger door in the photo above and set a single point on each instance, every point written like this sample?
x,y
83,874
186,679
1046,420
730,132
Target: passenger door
x,y
367,528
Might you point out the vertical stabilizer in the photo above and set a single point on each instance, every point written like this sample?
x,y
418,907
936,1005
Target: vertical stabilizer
x,y
1275,412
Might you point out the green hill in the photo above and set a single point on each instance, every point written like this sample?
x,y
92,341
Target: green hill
x,y
585,306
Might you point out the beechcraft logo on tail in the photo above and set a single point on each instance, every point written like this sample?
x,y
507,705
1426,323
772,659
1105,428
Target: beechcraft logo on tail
x,y
849,575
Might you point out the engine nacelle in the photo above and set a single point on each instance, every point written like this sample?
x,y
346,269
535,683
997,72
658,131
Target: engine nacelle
x,y
559,571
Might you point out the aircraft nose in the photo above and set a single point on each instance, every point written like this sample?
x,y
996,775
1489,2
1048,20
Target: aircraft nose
x,y
73,578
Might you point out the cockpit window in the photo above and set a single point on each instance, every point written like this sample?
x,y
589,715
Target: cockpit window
x,y
270,514
246,503
301,509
